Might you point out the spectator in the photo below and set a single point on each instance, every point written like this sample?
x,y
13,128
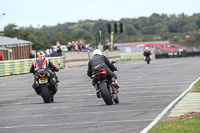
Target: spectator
x,y
31,55
83,46
1,57
69,46
106,46
80,45
88,47
75,45
100,47
115,48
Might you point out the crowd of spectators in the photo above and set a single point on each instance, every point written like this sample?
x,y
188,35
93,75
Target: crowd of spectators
x,y
78,46
74,46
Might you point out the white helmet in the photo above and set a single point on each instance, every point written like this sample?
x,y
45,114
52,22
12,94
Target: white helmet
x,y
42,54
97,51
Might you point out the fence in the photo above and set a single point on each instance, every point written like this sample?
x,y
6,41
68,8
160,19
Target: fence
x,y
22,66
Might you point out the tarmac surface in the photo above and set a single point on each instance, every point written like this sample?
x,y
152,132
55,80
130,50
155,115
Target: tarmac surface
x,y
145,91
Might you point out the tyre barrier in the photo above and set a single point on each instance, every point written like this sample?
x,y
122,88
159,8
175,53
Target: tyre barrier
x,y
15,67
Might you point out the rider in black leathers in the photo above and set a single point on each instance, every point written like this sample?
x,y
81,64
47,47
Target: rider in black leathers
x,y
147,52
98,62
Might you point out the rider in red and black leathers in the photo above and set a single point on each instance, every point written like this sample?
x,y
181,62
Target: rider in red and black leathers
x,y
39,63
98,62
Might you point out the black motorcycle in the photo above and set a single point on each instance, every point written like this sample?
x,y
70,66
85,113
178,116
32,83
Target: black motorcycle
x,y
147,54
48,84
108,92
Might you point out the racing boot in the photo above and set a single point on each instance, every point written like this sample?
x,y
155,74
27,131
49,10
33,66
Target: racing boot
x,y
36,87
52,97
114,84
97,91
145,59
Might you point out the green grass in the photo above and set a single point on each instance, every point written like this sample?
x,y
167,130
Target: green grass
x,y
179,126
197,85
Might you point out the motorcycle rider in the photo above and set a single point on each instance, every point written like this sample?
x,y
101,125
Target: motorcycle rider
x,y
98,62
147,52
42,62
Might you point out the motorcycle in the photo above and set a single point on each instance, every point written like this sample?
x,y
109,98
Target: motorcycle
x,y
147,54
108,92
47,84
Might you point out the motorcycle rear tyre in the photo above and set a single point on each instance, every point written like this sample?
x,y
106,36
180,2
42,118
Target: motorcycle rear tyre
x,y
45,93
105,93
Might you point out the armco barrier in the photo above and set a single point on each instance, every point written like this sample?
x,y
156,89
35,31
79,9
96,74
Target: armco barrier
x,y
23,66
133,56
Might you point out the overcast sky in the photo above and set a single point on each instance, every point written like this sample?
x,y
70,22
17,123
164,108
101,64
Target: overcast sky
x,y
51,12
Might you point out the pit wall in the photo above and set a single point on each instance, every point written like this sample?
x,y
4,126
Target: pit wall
x,y
14,67
79,58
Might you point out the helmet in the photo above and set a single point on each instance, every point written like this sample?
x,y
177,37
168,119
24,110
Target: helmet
x,y
41,53
147,48
97,51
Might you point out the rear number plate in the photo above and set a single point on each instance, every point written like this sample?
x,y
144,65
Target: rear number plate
x,y
43,80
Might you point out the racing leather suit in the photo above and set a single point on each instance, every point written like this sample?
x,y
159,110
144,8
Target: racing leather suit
x,y
40,63
101,62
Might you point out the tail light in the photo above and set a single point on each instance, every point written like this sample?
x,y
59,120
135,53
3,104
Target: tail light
x,y
42,75
99,74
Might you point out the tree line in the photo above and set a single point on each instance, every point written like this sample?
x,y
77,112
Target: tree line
x,y
181,28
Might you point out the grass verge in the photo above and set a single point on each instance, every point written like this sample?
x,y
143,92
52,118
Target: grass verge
x,y
178,126
197,85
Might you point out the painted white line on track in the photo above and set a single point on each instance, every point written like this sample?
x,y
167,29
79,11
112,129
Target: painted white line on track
x,y
157,83
27,109
22,98
80,101
155,121
97,112
76,95
78,123
147,86
29,103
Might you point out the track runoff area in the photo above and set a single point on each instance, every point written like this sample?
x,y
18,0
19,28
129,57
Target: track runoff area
x,y
147,94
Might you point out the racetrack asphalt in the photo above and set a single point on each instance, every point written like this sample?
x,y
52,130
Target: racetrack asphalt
x,y
145,91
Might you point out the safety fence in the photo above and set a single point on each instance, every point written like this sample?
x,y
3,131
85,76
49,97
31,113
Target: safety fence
x,y
133,56
14,67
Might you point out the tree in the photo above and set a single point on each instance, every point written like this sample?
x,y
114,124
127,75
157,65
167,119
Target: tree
x,y
80,34
190,27
11,30
131,31
61,37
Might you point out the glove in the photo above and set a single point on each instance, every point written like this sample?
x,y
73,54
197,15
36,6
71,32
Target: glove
x,y
56,69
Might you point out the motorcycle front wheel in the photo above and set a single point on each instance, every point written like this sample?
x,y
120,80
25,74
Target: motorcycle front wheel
x,y
148,60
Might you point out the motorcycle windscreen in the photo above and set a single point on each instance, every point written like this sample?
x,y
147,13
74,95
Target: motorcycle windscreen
x,y
43,80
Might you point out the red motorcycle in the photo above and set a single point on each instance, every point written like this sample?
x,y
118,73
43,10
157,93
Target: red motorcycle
x,y
108,92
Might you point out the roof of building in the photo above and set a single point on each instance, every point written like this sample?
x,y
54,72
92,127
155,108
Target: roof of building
x,y
4,41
